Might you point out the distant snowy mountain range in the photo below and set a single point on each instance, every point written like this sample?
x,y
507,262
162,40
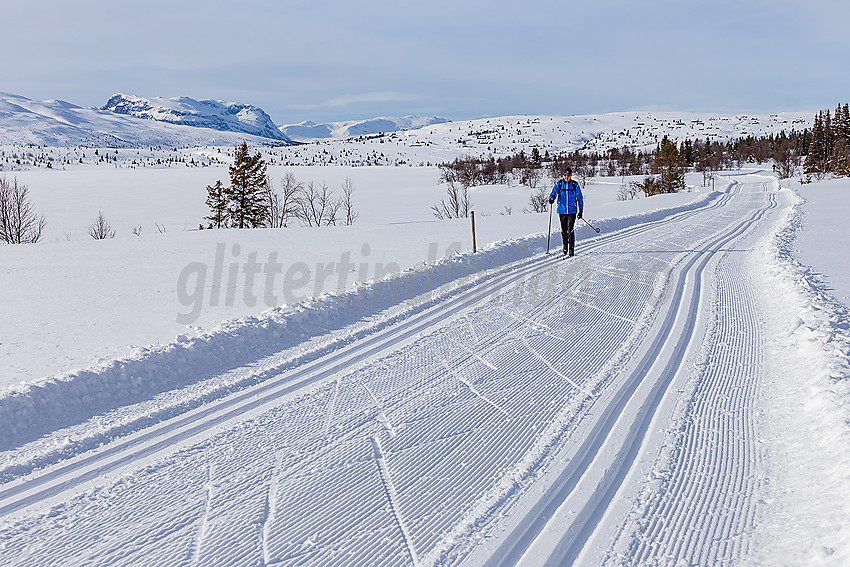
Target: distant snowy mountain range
x,y
134,122
131,121
307,131
58,123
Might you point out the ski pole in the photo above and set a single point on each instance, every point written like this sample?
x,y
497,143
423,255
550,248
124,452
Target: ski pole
x,y
549,236
590,225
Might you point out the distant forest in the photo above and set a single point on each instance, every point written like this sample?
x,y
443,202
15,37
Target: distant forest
x,y
820,151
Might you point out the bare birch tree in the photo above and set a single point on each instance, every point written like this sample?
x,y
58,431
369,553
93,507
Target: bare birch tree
x,y
539,200
318,206
284,205
19,223
347,202
458,206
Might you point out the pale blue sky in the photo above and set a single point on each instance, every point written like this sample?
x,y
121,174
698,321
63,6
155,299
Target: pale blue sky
x,y
336,60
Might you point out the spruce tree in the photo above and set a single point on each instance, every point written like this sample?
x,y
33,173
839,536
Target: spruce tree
x,y
841,141
829,143
818,156
688,153
536,159
247,199
217,202
668,162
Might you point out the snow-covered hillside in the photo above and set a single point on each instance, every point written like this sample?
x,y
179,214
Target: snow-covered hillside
x,y
62,127
509,135
60,124
213,114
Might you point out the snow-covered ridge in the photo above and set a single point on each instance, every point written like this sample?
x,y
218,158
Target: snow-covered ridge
x,y
56,123
600,132
213,114
309,131
509,135
594,132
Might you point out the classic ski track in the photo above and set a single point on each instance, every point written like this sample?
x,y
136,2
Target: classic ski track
x,y
161,438
567,552
705,508
583,469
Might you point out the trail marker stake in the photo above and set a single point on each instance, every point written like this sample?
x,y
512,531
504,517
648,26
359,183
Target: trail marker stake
x,y
472,216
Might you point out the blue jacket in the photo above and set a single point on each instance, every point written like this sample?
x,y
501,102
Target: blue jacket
x,y
570,199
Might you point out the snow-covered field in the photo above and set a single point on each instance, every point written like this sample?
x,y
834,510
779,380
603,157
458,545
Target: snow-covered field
x,y
677,393
130,284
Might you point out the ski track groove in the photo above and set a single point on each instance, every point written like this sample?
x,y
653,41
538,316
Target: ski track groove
x,y
451,439
382,414
332,406
698,481
481,359
707,508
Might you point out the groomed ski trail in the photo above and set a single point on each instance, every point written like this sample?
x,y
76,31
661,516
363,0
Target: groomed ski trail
x,y
495,427
586,490
702,477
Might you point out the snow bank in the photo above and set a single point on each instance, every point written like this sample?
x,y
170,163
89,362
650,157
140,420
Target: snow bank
x,y
807,407
824,218
197,367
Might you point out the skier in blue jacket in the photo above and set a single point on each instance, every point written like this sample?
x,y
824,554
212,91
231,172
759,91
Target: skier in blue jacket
x,y
570,207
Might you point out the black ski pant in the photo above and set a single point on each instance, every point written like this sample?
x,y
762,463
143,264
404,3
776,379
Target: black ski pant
x,y
568,224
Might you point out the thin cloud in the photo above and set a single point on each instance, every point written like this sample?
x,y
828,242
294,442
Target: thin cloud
x,y
347,100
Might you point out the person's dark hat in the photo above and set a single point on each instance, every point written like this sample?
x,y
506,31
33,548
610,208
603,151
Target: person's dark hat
x,y
568,170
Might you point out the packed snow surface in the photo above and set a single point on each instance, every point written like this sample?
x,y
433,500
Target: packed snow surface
x,y
674,394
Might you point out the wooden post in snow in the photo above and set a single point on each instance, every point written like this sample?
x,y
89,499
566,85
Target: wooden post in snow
x,y
472,216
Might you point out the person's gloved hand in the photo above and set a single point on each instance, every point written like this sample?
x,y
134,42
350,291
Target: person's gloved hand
x,y
580,211
551,201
